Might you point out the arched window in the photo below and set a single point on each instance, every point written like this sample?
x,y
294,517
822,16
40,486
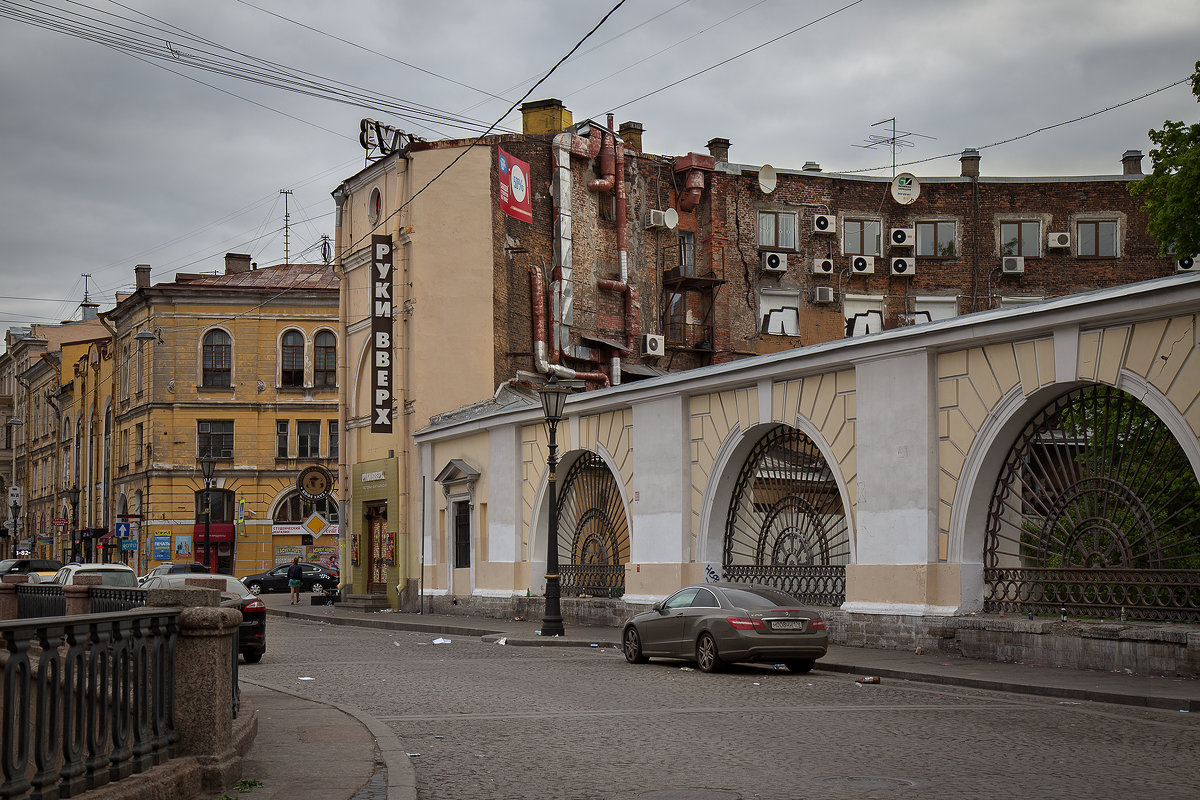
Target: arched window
x,y
292,359
325,360
218,359
296,509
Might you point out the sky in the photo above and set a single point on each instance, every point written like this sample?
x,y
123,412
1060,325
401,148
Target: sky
x,y
109,160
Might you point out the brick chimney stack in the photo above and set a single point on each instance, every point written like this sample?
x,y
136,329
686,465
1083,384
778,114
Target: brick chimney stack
x,y
970,163
141,276
631,135
1131,162
718,148
236,263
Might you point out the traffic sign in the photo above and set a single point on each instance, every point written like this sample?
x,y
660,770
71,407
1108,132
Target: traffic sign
x,y
121,530
60,522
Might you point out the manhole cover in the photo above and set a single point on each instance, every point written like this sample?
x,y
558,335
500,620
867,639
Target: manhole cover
x,y
695,793
864,781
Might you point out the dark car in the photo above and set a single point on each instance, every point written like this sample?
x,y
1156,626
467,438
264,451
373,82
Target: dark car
x,y
313,577
717,623
16,566
252,634
194,568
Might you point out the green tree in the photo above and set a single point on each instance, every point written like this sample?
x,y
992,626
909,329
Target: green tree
x,y
1172,190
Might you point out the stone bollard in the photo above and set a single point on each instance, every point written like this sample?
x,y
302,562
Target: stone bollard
x,y
78,597
8,595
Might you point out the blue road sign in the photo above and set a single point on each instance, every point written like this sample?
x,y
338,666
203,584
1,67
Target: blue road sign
x,y
121,530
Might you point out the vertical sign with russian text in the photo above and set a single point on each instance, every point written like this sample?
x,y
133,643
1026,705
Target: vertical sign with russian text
x,y
515,197
381,334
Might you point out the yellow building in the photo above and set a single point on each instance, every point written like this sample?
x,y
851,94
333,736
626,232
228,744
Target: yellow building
x,y
239,365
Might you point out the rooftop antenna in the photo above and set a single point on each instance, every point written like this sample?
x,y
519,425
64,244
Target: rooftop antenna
x,y
326,250
286,226
898,139
87,301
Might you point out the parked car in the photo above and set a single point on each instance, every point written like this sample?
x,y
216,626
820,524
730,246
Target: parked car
x,y
252,634
171,569
110,574
313,577
718,623
31,566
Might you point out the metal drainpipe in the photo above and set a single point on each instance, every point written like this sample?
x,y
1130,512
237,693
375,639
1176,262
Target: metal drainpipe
x,y
541,363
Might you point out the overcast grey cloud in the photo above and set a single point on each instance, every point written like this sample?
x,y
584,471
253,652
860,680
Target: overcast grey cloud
x,y
107,161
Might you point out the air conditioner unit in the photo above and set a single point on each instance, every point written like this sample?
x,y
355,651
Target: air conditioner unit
x,y
822,266
824,223
823,294
904,267
862,265
904,237
663,219
1186,264
1013,265
774,262
1058,239
652,345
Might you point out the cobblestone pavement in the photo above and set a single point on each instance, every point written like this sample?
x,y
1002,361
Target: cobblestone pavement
x,y
489,721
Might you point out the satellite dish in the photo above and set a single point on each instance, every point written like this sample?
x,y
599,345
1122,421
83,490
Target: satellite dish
x,y
671,219
767,179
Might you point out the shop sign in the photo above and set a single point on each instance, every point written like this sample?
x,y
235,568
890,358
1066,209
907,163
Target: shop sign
x,y
515,198
381,334
162,547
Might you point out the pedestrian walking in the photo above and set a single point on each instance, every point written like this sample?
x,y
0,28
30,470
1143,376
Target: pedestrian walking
x,y
293,574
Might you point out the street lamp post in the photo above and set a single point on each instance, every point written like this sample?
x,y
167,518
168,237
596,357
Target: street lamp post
x,y
16,515
208,466
73,496
13,422
554,397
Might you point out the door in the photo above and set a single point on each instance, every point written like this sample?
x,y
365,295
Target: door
x,y
663,633
380,547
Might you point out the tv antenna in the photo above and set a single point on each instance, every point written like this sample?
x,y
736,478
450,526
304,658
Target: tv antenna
x,y
87,301
286,227
898,139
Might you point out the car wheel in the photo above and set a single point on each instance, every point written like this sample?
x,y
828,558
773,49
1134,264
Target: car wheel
x,y
252,658
254,588
707,657
633,647
801,665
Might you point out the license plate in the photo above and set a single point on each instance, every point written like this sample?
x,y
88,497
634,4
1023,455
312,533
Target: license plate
x,y
787,624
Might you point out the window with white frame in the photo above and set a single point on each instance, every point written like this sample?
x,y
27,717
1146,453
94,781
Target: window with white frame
x,y
779,312
864,314
777,229
861,237
1096,239
931,309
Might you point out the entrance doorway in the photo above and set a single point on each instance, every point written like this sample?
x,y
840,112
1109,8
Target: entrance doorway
x,y
381,548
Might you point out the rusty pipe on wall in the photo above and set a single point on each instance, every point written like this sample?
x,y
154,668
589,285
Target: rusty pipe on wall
x,y
693,188
537,294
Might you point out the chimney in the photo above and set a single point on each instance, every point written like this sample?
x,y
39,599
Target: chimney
x,y
631,135
718,148
544,116
1131,162
970,163
811,166
237,262
141,276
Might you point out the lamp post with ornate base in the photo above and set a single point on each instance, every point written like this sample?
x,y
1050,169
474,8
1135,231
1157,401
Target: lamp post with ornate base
x,y
554,397
208,466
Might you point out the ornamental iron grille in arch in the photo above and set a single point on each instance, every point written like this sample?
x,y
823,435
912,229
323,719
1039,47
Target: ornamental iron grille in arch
x,y
786,525
1096,511
593,532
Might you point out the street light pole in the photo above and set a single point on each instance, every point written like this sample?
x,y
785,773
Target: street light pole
x,y
12,423
208,466
554,397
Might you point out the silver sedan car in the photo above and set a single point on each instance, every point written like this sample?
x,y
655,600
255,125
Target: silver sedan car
x,y
718,623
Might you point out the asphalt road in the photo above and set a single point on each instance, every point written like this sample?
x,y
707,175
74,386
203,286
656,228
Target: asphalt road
x,y
532,723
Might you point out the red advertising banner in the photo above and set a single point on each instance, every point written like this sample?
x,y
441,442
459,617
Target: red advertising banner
x,y
515,197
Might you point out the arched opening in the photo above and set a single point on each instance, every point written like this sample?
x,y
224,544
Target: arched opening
x,y
786,525
1097,511
593,531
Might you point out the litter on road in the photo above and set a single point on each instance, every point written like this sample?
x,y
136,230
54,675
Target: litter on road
x,y
502,640
867,679
440,640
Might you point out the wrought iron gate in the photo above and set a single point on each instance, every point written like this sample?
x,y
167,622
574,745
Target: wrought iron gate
x,y
1097,510
593,533
786,525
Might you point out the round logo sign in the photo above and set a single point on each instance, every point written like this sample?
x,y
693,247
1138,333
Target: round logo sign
x,y
314,483
905,188
516,179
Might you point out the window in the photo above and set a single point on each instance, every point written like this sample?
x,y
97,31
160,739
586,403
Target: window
x,y
1020,239
333,438
936,240
705,599
860,237
281,438
777,229
220,502
779,313
931,309
374,206
215,438
139,441
1098,239
687,253
124,452
292,359
325,360
462,535
675,317
308,439
218,359
296,509
864,314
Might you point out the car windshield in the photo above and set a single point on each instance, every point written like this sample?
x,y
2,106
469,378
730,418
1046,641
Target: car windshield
x,y
760,598
112,577
7,564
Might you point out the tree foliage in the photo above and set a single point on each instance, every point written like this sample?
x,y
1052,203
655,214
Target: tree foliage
x,y
1172,189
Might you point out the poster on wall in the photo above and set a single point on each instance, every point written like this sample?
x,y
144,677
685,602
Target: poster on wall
x,y
183,545
284,553
515,197
325,555
162,546
354,549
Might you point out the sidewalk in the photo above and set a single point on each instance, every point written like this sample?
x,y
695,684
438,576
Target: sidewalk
x,y
369,755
